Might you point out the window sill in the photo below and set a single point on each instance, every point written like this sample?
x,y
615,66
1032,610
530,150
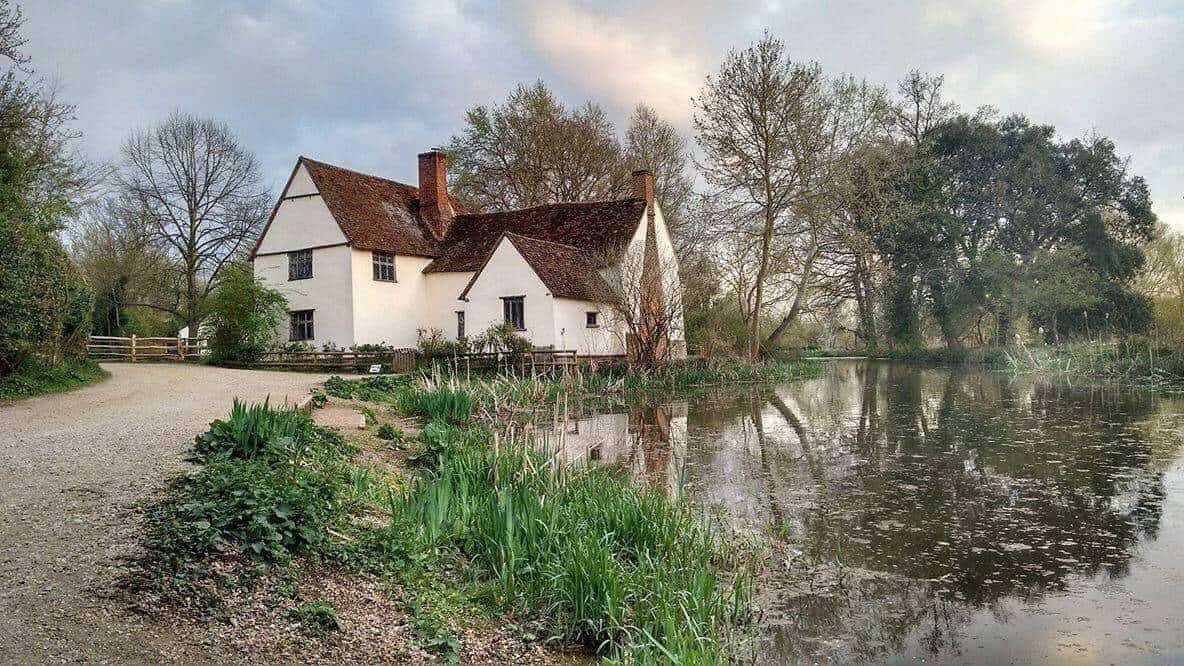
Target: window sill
x,y
292,279
593,326
390,281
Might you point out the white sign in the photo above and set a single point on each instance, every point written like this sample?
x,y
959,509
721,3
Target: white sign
x,y
376,369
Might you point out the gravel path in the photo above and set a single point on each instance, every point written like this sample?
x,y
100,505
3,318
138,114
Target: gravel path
x,y
72,468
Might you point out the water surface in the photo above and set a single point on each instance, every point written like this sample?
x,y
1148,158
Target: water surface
x,y
950,516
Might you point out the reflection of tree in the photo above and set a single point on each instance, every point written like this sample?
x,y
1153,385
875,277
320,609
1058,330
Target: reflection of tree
x,y
965,489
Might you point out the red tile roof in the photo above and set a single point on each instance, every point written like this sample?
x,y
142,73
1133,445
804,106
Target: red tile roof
x,y
565,243
374,213
600,229
566,271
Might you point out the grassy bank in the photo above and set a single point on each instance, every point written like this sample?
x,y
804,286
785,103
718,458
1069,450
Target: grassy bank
x,y
36,377
481,523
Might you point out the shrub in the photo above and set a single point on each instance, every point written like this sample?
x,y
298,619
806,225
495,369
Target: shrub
x,y
318,618
441,403
500,338
37,376
432,344
244,316
249,430
389,432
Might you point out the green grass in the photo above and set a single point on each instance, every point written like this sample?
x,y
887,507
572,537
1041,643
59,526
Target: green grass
x,y
36,377
490,525
598,558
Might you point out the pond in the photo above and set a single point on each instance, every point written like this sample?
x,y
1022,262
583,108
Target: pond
x,y
944,515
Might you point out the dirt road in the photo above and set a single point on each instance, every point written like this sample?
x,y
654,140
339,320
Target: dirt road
x,y
72,468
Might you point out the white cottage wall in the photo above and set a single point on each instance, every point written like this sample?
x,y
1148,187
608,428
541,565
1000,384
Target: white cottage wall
x,y
389,313
328,292
508,274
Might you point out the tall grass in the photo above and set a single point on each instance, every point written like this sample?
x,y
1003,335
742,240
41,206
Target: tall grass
x,y
603,560
37,377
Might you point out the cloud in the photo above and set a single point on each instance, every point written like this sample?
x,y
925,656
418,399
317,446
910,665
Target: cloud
x,y
370,84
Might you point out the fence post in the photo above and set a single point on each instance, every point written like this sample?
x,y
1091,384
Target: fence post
x,y
133,347
181,342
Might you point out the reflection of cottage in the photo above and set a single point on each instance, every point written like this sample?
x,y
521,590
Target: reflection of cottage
x,y
649,442
363,259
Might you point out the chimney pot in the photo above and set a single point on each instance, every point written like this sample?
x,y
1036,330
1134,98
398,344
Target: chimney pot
x,y
435,206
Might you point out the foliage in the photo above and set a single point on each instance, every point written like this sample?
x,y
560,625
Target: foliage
x,y
371,389
37,376
44,301
390,433
441,403
244,316
431,343
500,338
318,618
249,430
271,485
602,560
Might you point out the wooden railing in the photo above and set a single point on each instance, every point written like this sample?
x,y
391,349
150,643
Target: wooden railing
x,y
395,360
106,347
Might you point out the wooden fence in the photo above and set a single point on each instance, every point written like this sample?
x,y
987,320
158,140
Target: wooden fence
x,y
395,360
106,347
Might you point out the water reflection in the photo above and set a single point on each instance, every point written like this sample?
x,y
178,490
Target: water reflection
x,y
936,509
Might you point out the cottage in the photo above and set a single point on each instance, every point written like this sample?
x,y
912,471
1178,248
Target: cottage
x,y
363,259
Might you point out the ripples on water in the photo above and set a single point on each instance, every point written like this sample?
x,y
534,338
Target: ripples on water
x,y
955,516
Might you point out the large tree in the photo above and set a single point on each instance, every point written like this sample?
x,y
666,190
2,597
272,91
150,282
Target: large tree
x,y
778,137
532,150
201,196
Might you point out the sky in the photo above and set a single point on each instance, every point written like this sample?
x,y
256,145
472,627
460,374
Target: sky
x,y
368,85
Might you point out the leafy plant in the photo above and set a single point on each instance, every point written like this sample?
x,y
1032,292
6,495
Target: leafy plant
x,y
249,430
244,316
389,432
318,618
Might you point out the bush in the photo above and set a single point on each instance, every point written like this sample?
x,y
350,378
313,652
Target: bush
x,y
318,618
244,316
432,344
249,430
389,432
37,376
272,484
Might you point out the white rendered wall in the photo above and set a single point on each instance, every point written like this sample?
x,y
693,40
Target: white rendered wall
x,y
572,332
389,313
301,183
508,274
301,223
328,292
443,292
633,260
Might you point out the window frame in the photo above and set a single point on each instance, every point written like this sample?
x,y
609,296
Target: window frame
x,y
295,261
378,262
309,325
507,311
592,318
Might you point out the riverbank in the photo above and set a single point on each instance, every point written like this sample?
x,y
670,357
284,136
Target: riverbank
x,y
474,524
37,377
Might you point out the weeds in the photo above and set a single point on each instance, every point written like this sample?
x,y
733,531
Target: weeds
x,y
317,618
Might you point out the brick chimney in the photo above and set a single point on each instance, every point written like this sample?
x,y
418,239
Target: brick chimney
x,y
435,207
643,187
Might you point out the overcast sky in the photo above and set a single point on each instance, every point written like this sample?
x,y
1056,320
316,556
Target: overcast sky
x,y
369,84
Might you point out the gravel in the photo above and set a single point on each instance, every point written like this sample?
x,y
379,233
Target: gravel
x,y
73,468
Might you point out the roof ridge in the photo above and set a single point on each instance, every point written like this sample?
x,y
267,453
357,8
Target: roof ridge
x,y
557,204
305,158
513,234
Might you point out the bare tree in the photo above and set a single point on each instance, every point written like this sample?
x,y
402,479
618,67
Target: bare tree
x,y
12,19
646,305
655,145
124,267
532,150
201,198
777,136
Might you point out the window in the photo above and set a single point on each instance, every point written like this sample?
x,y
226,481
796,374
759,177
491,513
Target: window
x,y
384,266
300,265
460,324
512,307
592,319
301,326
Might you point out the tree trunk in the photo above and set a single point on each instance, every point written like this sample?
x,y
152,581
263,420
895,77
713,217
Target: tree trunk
x,y
798,300
754,344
